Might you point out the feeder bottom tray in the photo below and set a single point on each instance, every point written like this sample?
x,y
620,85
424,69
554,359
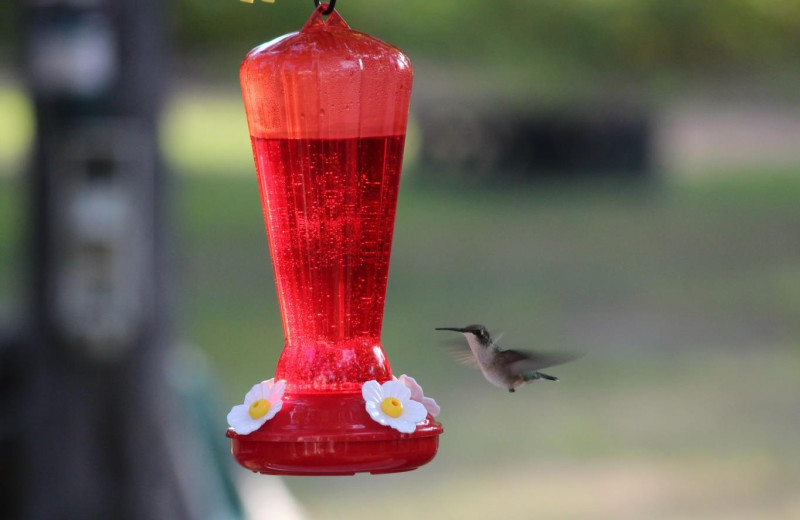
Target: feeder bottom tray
x,y
332,434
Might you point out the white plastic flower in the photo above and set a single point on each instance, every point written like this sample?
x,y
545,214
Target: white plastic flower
x,y
261,404
390,404
417,395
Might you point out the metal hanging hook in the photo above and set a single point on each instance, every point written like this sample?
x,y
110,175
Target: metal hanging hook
x,y
329,10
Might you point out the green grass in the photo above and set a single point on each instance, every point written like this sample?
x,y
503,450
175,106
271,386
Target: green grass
x,y
16,127
685,299
11,233
207,133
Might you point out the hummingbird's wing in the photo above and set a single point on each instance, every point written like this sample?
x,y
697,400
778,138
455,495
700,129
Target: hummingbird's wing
x,y
522,361
461,351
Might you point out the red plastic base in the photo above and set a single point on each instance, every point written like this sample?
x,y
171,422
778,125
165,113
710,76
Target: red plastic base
x,y
332,434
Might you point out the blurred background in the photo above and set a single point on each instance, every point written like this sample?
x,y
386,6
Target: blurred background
x,y
616,177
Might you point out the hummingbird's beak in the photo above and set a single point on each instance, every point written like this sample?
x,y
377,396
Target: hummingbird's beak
x,y
451,328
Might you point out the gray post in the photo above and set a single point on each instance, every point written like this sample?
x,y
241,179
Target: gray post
x,y
103,436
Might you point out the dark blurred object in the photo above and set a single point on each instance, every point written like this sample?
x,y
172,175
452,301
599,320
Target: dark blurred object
x,y
505,144
95,425
11,431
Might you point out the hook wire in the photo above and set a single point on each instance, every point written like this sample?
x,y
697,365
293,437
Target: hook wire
x,y
329,10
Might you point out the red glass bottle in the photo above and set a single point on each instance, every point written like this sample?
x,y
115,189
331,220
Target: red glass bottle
x,y
327,109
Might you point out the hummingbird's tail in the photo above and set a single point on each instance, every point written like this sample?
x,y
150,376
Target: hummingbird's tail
x,y
534,376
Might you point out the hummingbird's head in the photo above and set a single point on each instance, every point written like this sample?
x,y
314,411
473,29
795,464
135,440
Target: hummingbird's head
x,y
478,331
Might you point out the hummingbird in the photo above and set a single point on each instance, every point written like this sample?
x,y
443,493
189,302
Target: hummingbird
x,y
507,369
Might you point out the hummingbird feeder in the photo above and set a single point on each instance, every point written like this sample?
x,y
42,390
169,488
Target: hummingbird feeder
x,y
327,109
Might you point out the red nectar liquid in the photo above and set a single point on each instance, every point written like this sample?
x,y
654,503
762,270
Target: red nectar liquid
x,y
329,207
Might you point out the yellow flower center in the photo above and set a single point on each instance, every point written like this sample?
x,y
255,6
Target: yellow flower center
x,y
259,408
392,407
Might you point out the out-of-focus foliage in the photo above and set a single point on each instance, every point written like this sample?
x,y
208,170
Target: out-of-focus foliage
x,y
7,34
634,37
628,39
